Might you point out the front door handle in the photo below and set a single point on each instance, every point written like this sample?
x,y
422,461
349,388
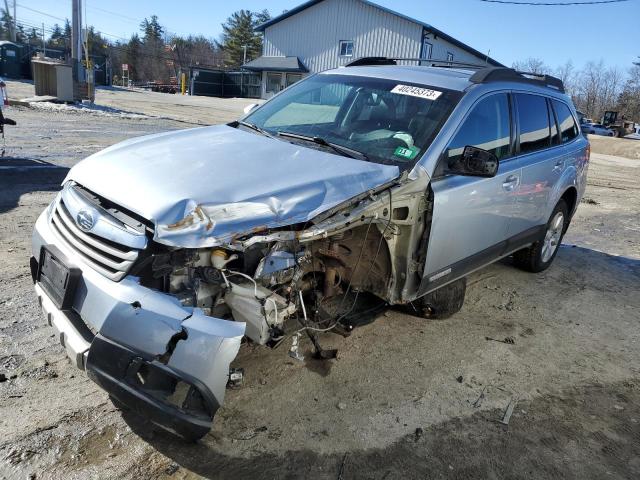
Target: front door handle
x,y
510,183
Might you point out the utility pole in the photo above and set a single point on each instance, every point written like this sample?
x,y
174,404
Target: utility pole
x,y
44,43
76,41
14,34
12,24
244,60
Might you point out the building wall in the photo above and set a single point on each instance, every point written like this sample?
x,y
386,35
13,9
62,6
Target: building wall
x,y
314,34
442,47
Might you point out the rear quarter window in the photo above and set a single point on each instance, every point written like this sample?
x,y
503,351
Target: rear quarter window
x,y
568,127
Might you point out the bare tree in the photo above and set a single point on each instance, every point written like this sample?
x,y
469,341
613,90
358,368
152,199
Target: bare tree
x,y
629,99
567,74
598,88
532,65
195,50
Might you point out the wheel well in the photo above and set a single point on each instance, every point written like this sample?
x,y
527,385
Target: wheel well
x,y
570,196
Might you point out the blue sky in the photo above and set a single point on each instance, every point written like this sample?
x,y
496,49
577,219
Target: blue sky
x,y
555,34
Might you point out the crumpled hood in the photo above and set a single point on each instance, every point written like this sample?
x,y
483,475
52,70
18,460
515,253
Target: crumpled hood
x,y
200,187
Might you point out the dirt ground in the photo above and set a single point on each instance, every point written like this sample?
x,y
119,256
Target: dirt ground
x,y
406,398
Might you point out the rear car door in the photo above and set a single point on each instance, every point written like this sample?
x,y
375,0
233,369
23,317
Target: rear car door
x,y
575,155
542,159
471,214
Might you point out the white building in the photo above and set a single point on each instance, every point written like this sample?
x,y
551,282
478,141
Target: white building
x,y
323,34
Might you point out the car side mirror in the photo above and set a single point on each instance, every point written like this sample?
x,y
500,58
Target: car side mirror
x,y
249,108
475,162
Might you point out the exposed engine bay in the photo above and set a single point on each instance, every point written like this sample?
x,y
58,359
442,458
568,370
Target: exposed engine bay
x,y
322,276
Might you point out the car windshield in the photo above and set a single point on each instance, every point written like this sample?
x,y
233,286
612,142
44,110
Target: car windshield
x,y
380,120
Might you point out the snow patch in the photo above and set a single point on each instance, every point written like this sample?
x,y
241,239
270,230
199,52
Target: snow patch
x,y
88,108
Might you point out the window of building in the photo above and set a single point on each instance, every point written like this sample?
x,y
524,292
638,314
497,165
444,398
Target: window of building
x,y
533,117
274,81
488,126
568,128
346,48
427,49
449,57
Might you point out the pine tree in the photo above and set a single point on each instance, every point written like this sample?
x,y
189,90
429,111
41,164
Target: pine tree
x,y
33,38
151,29
132,54
67,29
239,31
6,24
57,40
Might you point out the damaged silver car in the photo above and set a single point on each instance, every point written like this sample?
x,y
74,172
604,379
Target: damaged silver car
x,y
355,189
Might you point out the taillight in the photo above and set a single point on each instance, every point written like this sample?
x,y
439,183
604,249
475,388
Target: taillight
x,y
588,152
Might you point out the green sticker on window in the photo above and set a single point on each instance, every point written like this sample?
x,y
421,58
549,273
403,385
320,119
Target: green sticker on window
x,y
407,152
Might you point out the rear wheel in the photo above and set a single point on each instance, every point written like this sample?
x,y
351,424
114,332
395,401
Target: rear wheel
x,y
444,302
540,255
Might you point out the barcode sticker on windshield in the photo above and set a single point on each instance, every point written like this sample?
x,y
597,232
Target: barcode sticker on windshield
x,y
420,92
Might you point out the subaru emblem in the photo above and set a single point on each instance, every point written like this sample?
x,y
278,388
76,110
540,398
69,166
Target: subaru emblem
x,y
85,220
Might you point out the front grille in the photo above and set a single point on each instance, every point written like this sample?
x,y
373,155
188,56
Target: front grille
x,y
111,259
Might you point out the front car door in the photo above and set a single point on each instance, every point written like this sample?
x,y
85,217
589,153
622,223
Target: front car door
x,y
471,214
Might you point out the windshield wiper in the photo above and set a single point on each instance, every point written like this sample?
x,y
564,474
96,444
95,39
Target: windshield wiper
x,y
346,151
256,128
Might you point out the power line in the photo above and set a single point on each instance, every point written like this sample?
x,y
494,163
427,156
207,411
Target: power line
x,y
558,4
40,12
131,19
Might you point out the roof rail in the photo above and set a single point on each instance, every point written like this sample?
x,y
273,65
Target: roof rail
x,y
362,61
501,74
372,61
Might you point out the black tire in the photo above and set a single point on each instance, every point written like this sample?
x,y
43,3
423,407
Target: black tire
x,y
444,302
535,258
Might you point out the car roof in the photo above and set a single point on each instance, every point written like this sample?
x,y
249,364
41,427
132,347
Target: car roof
x,y
452,78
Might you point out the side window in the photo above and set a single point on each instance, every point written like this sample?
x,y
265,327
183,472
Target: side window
x,y
568,128
533,117
488,126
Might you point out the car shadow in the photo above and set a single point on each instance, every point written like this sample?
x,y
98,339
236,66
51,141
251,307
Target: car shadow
x,y
421,452
538,442
23,175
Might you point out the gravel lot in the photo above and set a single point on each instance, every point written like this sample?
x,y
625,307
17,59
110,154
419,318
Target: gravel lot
x,y
407,398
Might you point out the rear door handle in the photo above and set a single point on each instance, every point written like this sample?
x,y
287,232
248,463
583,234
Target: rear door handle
x,y
510,183
559,165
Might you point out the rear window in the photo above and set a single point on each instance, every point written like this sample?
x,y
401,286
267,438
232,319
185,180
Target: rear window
x,y
533,117
568,127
